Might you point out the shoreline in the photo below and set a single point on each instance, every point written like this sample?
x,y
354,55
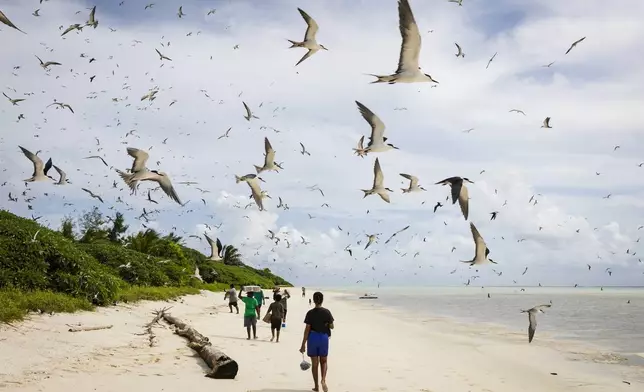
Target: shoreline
x,y
371,350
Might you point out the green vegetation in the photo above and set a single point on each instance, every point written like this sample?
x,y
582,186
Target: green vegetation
x,y
63,271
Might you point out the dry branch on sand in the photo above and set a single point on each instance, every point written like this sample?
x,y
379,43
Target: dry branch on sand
x,y
221,365
81,329
152,337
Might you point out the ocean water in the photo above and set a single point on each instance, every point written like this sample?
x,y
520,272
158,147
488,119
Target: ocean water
x,y
603,319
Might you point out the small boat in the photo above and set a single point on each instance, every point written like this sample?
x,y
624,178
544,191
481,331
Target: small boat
x,y
369,296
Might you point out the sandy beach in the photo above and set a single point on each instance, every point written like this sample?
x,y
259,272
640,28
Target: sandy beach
x,y
371,350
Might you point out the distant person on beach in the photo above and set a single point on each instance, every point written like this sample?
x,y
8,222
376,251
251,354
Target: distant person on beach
x,y
285,296
303,292
276,309
232,298
250,315
259,297
319,323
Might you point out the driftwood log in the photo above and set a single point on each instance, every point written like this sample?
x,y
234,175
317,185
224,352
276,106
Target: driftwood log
x,y
221,365
81,329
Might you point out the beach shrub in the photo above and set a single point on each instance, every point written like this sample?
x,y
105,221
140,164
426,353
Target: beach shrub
x,y
50,261
15,304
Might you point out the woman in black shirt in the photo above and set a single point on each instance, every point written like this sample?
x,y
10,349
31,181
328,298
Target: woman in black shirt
x,y
319,323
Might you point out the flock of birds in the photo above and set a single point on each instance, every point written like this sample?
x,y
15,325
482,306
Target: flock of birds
x,y
408,71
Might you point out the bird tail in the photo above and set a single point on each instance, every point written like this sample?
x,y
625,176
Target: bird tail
x,y
295,44
405,190
382,78
129,180
238,179
367,192
258,169
360,152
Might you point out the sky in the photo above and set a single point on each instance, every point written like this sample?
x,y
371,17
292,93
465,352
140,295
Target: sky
x,y
593,95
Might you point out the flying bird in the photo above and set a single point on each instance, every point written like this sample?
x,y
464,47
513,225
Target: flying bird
x,y
490,60
215,248
95,196
413,184
575,44
546,123
5,20
40,169
180,14
72,27
377,140
46,65
304,150
14,102
360,151
460,51
438,204
408,69
253,183
249,114
532,318
225,133
60,105
92,19
162,56
459,192
309,38
517,111
378,188
160,178
269,158
96,156
36,12
396,233
481,251
494,214
370,239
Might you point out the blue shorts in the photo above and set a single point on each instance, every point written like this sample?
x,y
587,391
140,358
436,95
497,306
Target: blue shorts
x,y
318,344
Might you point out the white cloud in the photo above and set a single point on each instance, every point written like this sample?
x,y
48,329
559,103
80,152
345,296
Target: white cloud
x,y
592,95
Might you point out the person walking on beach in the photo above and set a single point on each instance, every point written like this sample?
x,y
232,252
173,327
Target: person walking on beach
x,y
276,309
250,316
303,292
285,296
259,297
319,323
232,298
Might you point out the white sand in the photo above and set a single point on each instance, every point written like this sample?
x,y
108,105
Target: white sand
x,y
371,350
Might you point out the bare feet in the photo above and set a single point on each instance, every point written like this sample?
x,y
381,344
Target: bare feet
x,y
254,337
273,338
324,387
247,338
315,389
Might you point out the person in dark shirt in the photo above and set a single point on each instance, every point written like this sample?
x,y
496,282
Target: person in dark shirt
x,y
276,309
319,323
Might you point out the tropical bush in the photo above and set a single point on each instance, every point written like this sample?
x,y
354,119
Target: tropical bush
x,y
104,265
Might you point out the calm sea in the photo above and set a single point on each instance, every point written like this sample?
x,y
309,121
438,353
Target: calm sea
x,y
603,319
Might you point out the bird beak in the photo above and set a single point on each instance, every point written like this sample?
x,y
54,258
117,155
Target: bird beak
x,y
261,179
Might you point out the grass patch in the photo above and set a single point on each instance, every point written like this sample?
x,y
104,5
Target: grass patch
x,y
16,304
139,293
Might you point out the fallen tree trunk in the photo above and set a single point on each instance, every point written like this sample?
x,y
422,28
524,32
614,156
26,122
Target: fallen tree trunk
x,y
152,337
81,329
221,365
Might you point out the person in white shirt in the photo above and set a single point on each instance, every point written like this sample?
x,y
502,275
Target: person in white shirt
x,y
232,298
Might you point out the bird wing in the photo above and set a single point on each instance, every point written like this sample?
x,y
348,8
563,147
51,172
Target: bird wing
x,y
479,242
48,166
306,56
490,60
378,178
96,156
256,192
166,185
5,20
140,159
38,165
313,26
546,122
220,247
88,191
160,55
458,47
411,41
270,153
361,143
91,15
541,307
377,126
248,113
413,179
463,199
532,317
